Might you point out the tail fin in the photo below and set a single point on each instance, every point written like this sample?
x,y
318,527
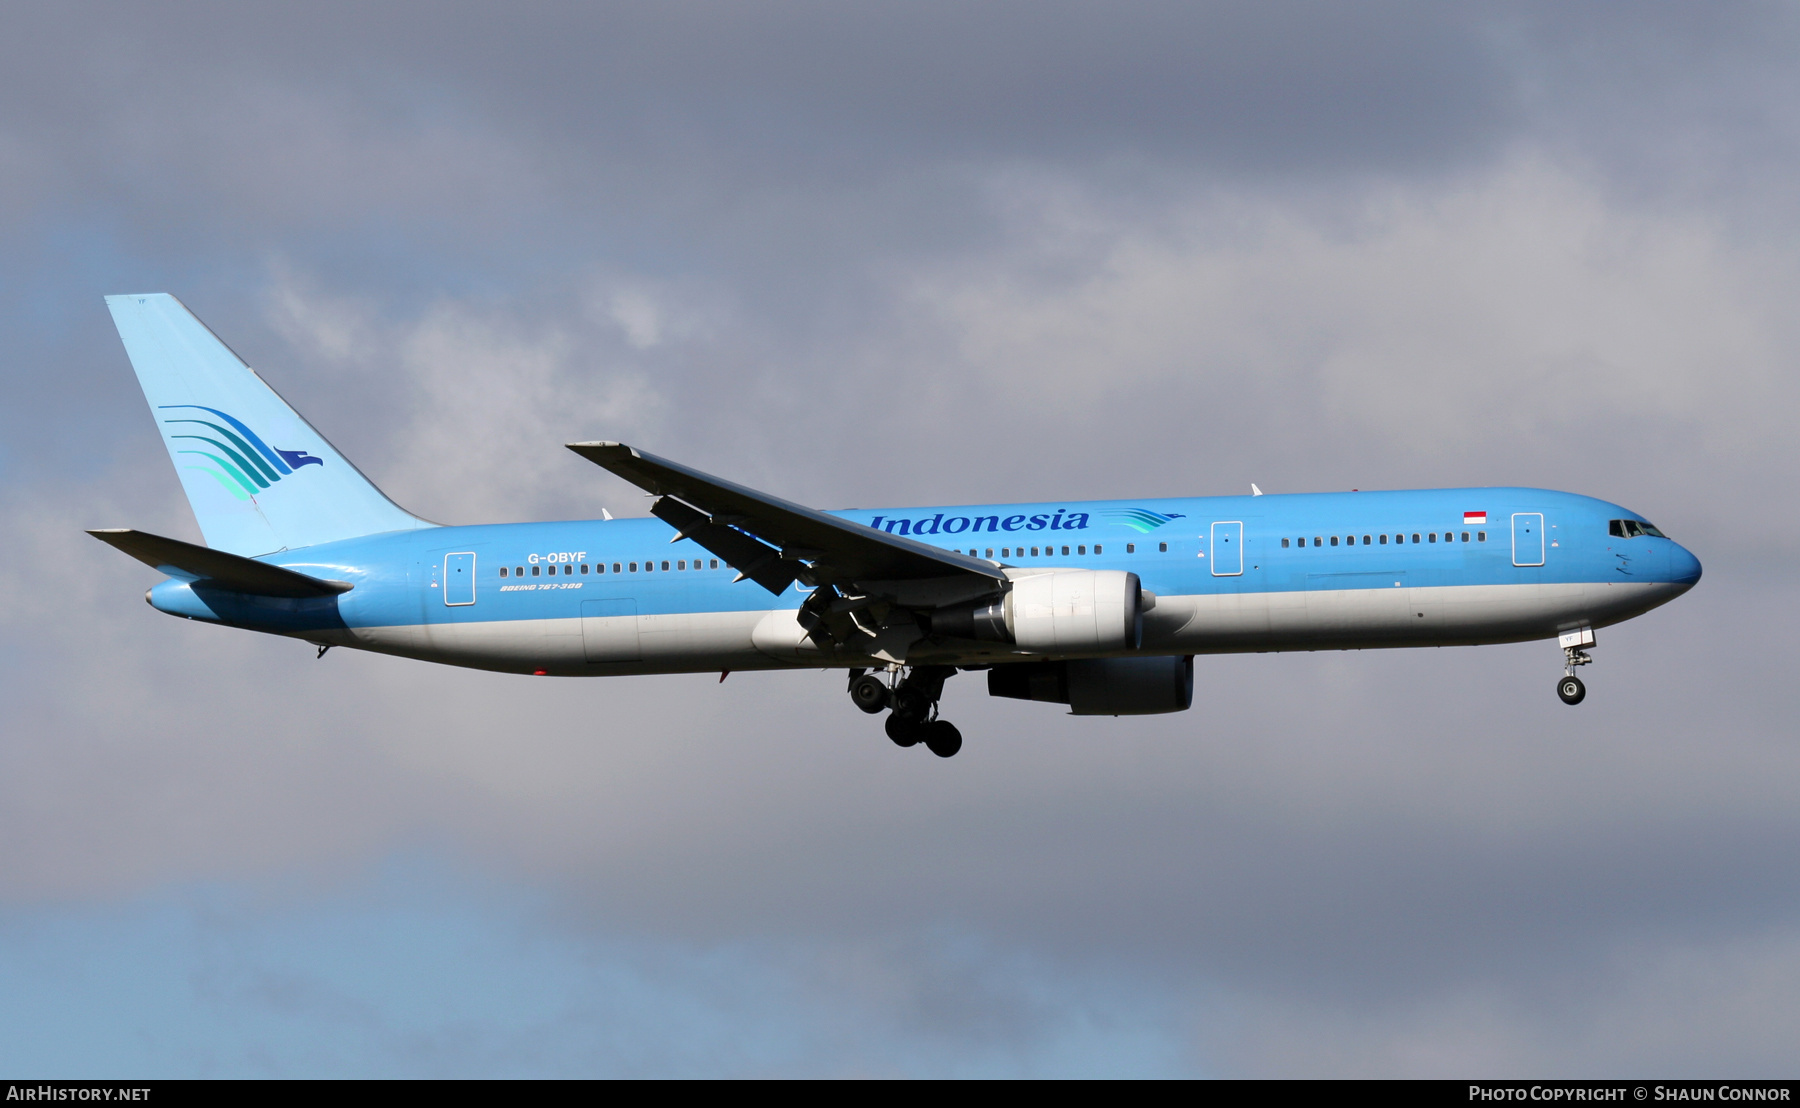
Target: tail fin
x,y
257,475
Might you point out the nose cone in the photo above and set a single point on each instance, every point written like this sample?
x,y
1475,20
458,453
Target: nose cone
x,y
1684,568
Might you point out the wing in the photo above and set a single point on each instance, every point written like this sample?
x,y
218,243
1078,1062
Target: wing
x,y
217,567
774,542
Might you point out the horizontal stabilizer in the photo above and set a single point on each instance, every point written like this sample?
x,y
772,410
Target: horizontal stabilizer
x,y
216,567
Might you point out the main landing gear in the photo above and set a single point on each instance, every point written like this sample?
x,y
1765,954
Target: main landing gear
x,y
1570,688
914,704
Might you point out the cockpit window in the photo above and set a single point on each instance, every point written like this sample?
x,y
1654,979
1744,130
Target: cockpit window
x,y
1633,528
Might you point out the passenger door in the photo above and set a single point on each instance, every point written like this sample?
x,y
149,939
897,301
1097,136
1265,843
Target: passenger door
x,y
459,579
1528,538
1228,549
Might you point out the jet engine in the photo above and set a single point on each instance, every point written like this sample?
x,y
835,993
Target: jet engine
x,y
1101,686
1069,611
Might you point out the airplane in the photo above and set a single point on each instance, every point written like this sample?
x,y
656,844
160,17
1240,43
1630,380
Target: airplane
x,y
1098,605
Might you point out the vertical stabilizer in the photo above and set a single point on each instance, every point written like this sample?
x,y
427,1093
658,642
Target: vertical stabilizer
x,y
257,475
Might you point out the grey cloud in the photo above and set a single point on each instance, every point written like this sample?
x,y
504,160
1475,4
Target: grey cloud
x,y
952,254
1288,85
1710,1010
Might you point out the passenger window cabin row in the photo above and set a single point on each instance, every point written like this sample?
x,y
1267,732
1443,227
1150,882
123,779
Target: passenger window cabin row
x,y
1020,551
1382,540
1079,550
568,568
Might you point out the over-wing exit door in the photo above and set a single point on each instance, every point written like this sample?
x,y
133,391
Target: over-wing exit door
x,y
459,579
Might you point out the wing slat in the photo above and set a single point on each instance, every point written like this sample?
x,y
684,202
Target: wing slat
x,y
841,552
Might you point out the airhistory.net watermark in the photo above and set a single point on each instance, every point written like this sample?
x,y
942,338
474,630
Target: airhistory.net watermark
x,y
100,1093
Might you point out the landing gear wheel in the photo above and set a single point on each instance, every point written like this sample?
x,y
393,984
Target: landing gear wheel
x,y
905,730
868,693
910,702
1571,690
942,738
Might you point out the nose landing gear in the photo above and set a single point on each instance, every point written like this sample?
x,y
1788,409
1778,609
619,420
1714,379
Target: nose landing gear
x,y
914,703
1570,688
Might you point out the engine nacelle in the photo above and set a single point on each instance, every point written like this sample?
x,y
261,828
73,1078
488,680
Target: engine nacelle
x,y
1075,611
1068,611
1101,686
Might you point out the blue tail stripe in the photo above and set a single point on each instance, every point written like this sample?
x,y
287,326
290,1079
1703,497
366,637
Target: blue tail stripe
x,y
262,447
235,456
247,449
249,486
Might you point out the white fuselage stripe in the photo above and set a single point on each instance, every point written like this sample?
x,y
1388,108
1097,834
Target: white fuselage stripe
x,y
1209,624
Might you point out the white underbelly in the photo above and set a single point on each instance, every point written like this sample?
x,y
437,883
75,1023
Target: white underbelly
x,y
1391,614
638,643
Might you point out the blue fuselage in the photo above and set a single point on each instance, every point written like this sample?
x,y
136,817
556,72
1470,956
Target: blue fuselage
x,y
1277,572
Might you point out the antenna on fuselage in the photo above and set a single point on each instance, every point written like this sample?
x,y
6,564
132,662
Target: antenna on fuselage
x,y
1254,491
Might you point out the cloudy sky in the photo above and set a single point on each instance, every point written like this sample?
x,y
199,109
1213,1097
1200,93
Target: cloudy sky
x,y
889,254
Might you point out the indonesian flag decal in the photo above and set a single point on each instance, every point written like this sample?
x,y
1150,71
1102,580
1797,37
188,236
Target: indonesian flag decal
x,y
1474,517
